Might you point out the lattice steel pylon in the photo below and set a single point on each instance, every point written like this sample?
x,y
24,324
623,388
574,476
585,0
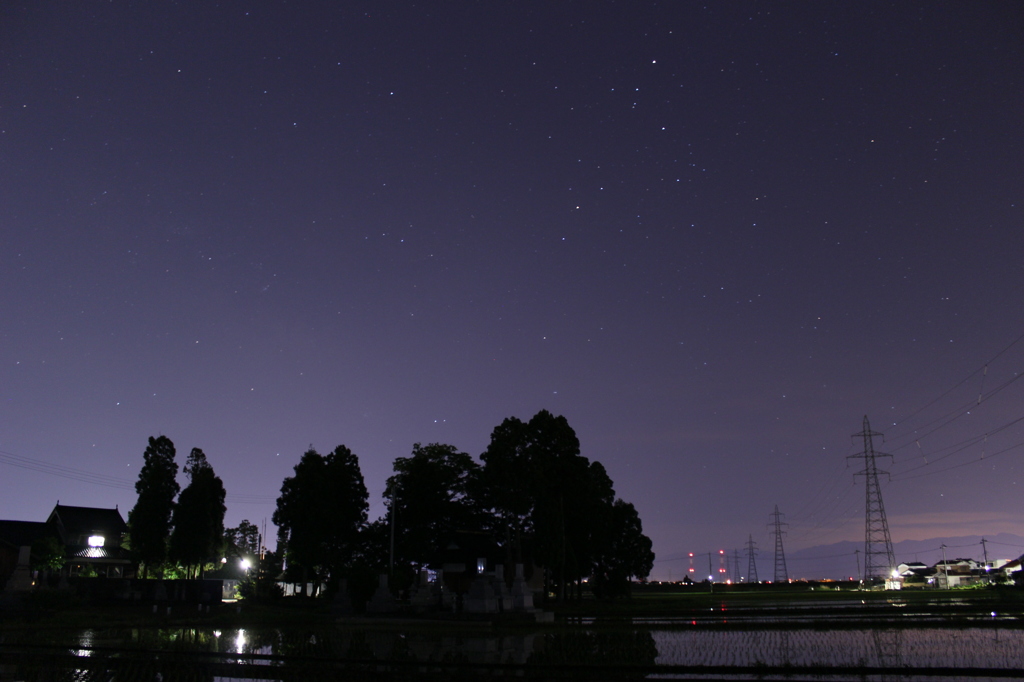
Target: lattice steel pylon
x,y
781,574
751,564
879,559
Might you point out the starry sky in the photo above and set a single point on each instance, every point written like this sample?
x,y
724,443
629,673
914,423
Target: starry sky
x,y
713,236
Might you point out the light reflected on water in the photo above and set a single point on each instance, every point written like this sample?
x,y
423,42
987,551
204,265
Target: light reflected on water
x,y
85,643
240,642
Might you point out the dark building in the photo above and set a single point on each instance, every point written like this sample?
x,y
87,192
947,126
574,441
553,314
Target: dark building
x,y
92,540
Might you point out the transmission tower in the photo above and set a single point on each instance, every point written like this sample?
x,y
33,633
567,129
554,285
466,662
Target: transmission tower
x,y
781,574
751,564
879,559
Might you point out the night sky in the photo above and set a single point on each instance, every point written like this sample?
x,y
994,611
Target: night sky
x,y
712,236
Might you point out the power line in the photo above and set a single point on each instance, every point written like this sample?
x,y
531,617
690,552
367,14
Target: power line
x,y
903,477
964,409
818,558
64,471
83,476
963,381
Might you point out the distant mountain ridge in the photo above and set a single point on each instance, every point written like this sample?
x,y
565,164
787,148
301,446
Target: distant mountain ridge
x,y
839,560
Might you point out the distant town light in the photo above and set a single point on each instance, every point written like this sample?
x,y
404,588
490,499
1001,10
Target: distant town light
x,y
96,540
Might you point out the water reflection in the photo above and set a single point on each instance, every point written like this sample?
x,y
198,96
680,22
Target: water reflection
x,y
206,652
888,649
240,642
908,647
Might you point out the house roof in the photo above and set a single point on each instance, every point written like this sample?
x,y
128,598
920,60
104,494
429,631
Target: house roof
x,y
23,533
113,554
88,519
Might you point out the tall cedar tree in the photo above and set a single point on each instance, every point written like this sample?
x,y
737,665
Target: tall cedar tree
x,y
150,520
321,511
198,518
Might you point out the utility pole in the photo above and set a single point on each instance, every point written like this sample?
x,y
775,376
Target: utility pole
x,y
945,569
860,577
781,574
879,559
751,564
984,548
391,553
736,577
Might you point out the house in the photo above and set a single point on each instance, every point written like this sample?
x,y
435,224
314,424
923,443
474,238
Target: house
x,y
232,573
914,573
956,573
93,540
1010,570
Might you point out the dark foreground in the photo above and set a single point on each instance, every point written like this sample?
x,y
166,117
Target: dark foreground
x,y
665,634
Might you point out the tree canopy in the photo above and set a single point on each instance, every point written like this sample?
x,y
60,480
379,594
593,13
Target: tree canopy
x,y
198,517
535,481
321,511
244,539
149,521
622,551
429,495
505,486
535,494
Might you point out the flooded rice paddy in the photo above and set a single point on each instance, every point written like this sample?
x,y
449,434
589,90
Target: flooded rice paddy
x,y
844,639
580,652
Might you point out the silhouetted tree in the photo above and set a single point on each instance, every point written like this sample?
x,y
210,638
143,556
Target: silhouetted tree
x,y
321,510
584,493
623,552
535,482
198,517
149,521
244,540
505,487
429,496
369,561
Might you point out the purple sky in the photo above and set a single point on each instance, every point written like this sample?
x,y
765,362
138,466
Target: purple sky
x,y
714,238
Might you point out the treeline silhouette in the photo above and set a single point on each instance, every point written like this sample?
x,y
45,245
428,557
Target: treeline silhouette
x,y
532,499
